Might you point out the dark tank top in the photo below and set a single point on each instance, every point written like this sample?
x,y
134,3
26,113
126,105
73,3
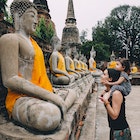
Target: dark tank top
x,y
120,123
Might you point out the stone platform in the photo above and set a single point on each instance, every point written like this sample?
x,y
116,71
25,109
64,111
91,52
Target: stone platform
x,y
135,78
69,127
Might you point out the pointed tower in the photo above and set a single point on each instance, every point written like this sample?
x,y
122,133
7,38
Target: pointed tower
x,y
70,35
70,14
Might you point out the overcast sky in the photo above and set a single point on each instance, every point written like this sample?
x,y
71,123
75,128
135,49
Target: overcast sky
x,y
87,12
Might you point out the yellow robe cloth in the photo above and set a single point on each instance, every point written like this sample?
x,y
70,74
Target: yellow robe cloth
x,y
94,66
134,69
112,64
81,65
61,65
78,66
72,66
39,77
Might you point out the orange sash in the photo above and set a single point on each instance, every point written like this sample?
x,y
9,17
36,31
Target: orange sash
x,y
61,65
71,66
94,66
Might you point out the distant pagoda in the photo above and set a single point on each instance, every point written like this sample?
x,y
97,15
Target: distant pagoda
x,y
70,35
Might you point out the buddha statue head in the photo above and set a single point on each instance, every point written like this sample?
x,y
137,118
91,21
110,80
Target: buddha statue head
x,y
55,43
18,8
92,53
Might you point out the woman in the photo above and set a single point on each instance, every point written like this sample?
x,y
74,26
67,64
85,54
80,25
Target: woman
x,y
115,106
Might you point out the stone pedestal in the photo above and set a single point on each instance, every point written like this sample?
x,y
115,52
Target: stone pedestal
x,y
135,78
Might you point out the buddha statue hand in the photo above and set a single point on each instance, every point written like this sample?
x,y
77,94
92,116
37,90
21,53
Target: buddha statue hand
x,y
63,108
71,77
63,111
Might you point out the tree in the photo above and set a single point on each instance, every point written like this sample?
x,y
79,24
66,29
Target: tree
x,y
3,6
103,42
124,25
83,36
44,31
102,50
50,31
86,48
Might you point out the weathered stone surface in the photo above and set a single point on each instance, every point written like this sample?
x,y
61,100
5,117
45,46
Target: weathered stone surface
x,y
135,78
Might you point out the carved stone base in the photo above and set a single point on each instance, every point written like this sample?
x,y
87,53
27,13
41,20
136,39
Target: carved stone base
x,y
135,78
68,129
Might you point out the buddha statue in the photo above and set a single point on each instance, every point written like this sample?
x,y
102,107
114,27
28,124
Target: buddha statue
x,y
60,76
30,94
134,69
83,64
70,64
92,62
112,63
77,63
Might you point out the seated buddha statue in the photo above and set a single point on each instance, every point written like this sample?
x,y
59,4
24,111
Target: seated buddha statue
x,y
30,94
92,62
134,69
60,76
83,64
77,64
70,64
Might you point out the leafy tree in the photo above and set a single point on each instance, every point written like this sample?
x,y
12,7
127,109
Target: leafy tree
x,y
83,36
3,6
85,48
121,29
44,31
103,41
101,34
50,31
9,19
124,25
102,52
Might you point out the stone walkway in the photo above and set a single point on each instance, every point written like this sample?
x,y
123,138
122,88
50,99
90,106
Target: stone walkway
x,y
96,126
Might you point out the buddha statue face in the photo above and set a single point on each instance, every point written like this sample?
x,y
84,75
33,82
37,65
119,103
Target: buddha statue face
x,y
24,14
28,21
56,43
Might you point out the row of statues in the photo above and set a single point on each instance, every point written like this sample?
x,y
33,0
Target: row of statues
x,y
63,67
31,100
